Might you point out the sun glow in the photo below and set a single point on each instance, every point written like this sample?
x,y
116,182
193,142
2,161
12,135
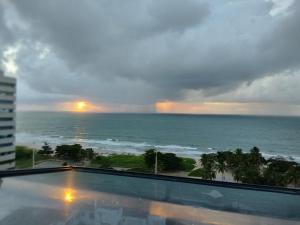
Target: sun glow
x,y
201,107
81,106
68,196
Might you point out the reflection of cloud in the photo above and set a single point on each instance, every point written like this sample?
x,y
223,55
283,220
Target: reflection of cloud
x,y
34,215
103,200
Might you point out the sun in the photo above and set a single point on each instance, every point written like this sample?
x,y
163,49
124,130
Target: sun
x,y
81,106
68,196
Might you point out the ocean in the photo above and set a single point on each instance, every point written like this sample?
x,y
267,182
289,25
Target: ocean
x,y
185,135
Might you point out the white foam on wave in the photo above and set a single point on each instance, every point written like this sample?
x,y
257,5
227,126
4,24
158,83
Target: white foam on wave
x,y
108,145
114,145
286,157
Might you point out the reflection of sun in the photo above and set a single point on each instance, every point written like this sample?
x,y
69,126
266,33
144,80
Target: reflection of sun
x,y
68,196
81,106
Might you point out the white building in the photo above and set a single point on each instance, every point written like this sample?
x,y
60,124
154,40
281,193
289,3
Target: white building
x,y
7,122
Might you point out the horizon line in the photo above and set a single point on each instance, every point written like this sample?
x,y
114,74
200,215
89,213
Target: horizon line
x,y
158,113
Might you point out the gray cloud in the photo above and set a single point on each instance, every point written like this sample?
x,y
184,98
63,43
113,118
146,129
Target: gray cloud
x,y
140,52
176,15
6,36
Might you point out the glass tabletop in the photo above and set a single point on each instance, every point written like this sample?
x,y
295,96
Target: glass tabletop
x,y
76,198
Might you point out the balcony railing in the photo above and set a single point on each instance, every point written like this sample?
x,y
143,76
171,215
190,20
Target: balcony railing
x,y
75,195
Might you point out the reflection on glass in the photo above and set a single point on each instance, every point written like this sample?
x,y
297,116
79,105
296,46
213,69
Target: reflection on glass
x,y
69,196
73,198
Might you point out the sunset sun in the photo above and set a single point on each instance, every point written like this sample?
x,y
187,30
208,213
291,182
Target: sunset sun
x,y
81,106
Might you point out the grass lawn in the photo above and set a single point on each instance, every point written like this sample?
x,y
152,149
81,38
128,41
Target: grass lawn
x,y
135,162
130,161
196,173
24,157
122,160
188,164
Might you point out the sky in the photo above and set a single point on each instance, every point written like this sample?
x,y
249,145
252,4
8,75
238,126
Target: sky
x,y
165,56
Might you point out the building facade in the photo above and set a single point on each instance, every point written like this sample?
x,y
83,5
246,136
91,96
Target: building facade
x,y
7,121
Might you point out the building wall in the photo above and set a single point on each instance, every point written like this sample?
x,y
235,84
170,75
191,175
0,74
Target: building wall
x,y
7,122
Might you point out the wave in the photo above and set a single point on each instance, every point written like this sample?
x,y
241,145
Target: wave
x,y
285,157
115,145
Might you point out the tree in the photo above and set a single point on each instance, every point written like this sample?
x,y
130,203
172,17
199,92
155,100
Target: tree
x,y
250,167
71,152
149,157
278,172
238,174
208,166
89,153
237,164
170,162
256,158
294,174
46,149
229,159
165,161
250,174
221,163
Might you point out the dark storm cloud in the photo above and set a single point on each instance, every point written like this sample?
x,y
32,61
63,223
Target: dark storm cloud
x,y
144,51
281,47
6,36
105,36
176,15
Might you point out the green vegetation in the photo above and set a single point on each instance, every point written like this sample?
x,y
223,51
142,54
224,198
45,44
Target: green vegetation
x,y
123,160
250,168
145,162
281,172
73,152
197,173
188,164
46,149
165,161
168,161
24,157
208,162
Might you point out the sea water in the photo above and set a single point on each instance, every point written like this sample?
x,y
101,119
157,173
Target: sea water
x,y
185,135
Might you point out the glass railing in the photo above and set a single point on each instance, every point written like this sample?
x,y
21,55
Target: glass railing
x,y
89,196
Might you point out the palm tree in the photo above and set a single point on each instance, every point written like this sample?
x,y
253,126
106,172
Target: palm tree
x,y
294,174
280,172
221,165
237,174
256,158
208,165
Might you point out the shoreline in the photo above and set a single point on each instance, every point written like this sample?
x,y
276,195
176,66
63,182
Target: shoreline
x,y
106,152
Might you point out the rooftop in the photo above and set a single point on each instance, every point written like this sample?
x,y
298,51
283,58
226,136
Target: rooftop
x,y
90,196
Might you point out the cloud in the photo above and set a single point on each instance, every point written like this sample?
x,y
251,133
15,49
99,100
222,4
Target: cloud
x,y
143,52
227,108
280,6
6,36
